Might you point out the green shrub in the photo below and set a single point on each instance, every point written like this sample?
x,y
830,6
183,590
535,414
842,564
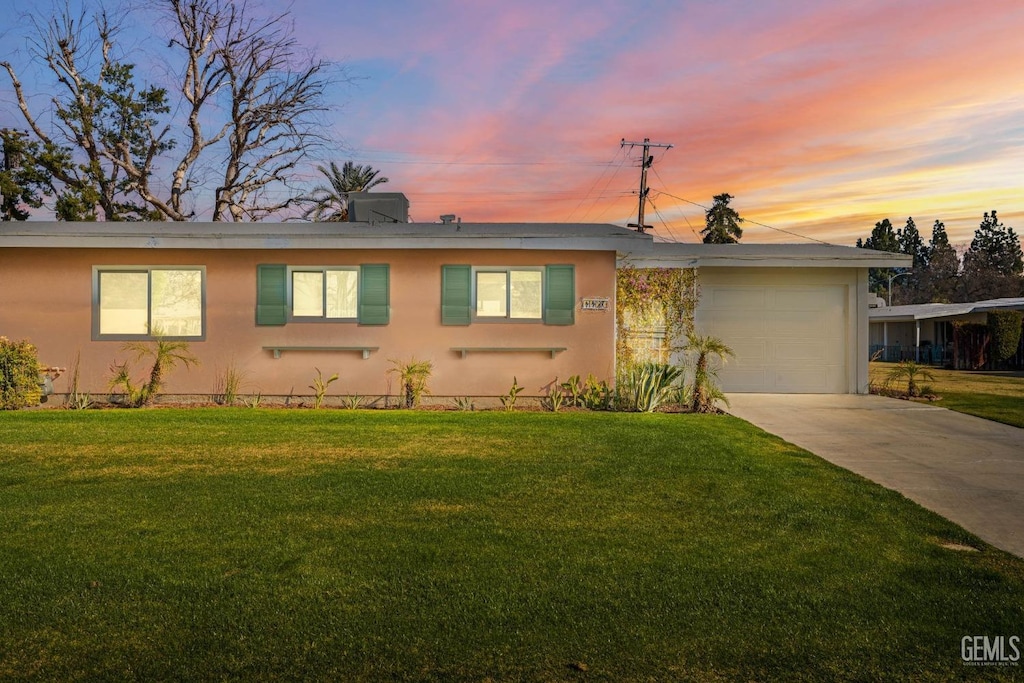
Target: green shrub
x,y
573,391
1005,328
597,395
646,386
19,375
555,397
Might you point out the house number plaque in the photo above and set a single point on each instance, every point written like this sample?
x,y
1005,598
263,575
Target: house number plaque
x,y
594,304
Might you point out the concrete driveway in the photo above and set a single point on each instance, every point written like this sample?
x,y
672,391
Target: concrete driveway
x,y
967,469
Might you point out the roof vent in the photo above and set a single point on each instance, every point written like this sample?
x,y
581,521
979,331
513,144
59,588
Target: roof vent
x,y
447,219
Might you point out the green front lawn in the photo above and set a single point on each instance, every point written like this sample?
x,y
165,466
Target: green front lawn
x,y
991,395
236,544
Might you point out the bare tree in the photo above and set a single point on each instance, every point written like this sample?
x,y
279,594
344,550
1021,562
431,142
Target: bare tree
x,y
273,93
98,112
250,102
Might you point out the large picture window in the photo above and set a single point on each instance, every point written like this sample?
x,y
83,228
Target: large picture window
x,y
144,302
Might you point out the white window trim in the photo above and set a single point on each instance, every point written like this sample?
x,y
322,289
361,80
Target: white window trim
x,y
148,270
507,318
292,318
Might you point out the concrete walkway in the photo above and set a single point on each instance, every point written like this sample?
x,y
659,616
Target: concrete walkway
x,y
967,469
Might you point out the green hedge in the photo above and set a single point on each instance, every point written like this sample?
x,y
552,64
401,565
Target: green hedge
x,y
1005,327
19,374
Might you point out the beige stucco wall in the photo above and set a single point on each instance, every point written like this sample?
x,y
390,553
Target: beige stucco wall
x,y
47,298
854,280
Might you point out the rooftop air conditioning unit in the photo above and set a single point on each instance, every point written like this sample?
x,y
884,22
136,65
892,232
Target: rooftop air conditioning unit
x,y
378,207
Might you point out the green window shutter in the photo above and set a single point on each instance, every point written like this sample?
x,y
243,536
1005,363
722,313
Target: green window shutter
x,y
271,294
374,295
559,295
456,295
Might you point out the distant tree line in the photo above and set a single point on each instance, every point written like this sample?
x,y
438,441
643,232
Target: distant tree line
x,y
991,268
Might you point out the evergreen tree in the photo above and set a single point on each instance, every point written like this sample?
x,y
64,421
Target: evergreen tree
x,y
941,268
722,222
994,262
21,185
911,243
883,238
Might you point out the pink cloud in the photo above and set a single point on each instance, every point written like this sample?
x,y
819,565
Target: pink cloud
x,y
823,116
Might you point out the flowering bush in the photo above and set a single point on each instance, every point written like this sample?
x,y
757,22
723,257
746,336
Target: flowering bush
x,y
651,299
19,374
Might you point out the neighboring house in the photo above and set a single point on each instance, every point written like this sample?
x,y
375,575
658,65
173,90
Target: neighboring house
x,y
924,332
484,303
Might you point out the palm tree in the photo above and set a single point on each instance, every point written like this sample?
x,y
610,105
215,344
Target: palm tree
x,y
911,372
722,222
330,202
705,386
165,355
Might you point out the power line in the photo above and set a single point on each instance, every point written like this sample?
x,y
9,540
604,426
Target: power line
x,y
645,163
609,165
384,156
747,220
622,162
670,237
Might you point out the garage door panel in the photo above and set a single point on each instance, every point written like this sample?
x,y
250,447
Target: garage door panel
x,y
795,324
809,380
798,299
737,325
751,350
810,351
789,339
737,297
738,379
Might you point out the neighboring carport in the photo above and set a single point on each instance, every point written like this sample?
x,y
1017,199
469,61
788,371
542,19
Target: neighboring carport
x,y
965,468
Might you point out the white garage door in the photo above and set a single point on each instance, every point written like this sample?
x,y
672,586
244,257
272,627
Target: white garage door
x,y
787,339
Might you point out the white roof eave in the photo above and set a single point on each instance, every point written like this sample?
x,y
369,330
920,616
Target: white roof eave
x,y
763,256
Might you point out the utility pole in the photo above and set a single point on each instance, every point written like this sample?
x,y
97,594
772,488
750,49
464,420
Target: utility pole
x,y
644,165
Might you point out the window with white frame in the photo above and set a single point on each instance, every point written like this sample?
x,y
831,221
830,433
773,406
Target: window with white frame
x,y
509,293
324,293
143,302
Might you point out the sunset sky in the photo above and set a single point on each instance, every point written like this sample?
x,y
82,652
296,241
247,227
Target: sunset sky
x,y
821,118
